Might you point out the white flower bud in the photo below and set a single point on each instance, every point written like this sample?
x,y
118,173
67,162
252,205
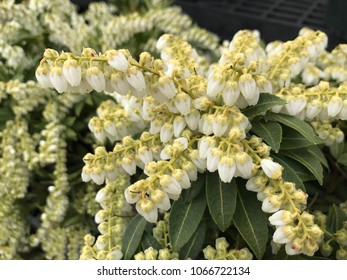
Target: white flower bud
x,y
166,132
271,204
170,185
214,86
231,93
283,234
135,78
272,169
166,86
42,77
147,209
72,72
117,60
129,165
248,86
334,106
145,154
160,199
95,78
178,124
226,169
213,158
281,218
182,178
57,79
182,103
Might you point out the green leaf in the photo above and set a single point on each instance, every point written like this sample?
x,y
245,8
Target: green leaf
x,y
251,221
289,173
195,188
335,218
132,236
149,241
301,126
336,149
184,219
343,159
317,152
194,245
292,139
271,132
265,103
79,107
305,158
221,199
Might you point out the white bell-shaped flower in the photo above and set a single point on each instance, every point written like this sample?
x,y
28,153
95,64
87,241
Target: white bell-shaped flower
x,y
272,169
182,178
57,79
170,184
231,93
136,79
226,169
280,218
160,199
282,235
167,87
72,72
182,103
145,154
192,119
95,78
213,159
117,60
271,204
178,124
147,209
334,106
166,132
248,86
42,76
214,86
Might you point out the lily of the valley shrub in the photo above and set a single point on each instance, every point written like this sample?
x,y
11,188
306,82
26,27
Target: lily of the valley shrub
x,y
208,160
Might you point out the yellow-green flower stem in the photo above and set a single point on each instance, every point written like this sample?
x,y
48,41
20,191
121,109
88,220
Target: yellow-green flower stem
x,y
253,153
278,64
104,60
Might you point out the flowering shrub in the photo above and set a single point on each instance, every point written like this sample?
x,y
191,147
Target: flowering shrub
x,y
238,158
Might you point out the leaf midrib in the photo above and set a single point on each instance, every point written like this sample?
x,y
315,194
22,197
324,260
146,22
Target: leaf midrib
x,y
244,209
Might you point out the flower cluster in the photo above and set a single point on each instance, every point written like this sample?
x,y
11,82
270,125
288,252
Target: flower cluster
x,y
294,228
221,252
115,121
333,240
112,220
195,125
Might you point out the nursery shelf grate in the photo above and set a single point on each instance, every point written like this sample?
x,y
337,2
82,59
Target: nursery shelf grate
x,y
275,19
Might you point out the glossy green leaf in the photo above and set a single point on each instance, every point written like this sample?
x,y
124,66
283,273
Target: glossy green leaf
x,y
310,162
335,218
289,174
149,241
132,236
265,103
301,126
336,149
271,132
343,159
184,219
251,221
292,139
194,245
221,199
317,152
195,188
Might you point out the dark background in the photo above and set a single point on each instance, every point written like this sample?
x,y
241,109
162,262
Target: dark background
x,y
275,19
